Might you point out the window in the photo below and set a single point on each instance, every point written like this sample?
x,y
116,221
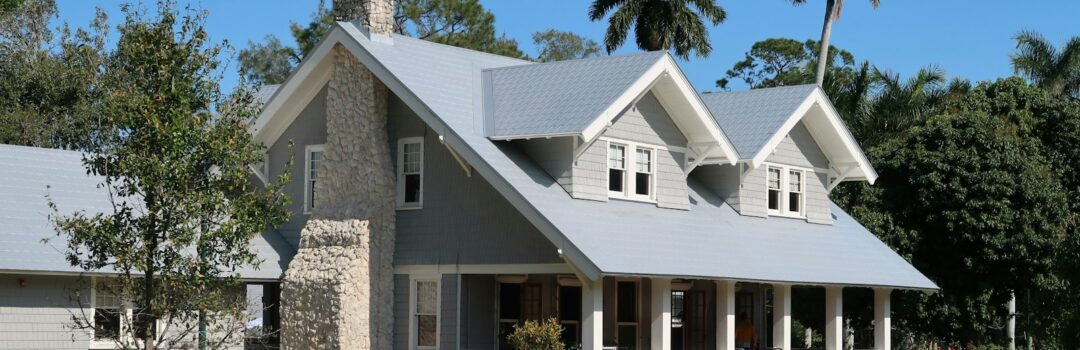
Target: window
x,y
410,172
532,302
626,314
425,320
678,309
107,315
635,181
786,187
616,168
312,158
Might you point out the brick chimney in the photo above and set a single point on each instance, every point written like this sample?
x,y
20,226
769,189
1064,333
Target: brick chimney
x,y
377,15
337,292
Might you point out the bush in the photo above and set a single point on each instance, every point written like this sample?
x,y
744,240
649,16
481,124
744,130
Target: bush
x,y
534,335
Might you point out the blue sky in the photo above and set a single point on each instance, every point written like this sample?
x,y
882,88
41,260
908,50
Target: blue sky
x,y
966,38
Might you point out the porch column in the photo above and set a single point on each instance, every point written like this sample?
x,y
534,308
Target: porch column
x,y
782,316
882,319
592,314
661,314
834,318
725,315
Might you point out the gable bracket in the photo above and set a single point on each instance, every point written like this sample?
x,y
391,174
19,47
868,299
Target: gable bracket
x,y
841,174
461,161
699,157
580,145
258,173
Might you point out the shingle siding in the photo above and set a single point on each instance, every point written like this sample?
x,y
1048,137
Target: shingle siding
x,y
554,155
463,219
38,316
723,179
590,173
752,199
800,149
309,128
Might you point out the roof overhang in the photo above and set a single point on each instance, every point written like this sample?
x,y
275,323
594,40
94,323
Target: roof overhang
x,y
285,105
847,160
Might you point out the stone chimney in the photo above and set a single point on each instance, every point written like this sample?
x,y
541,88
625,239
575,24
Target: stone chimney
x,y
338,290
377,15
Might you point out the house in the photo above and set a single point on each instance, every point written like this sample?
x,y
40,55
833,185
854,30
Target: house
x,y
443,196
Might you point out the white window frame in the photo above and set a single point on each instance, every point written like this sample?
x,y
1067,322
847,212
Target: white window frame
x,y
308,186
785,190
400,173
630,169
413,325
128,311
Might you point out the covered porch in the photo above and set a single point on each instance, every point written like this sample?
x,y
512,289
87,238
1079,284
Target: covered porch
x,y
638,312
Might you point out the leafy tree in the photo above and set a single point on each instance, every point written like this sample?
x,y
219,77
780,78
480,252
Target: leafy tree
x,y
174,154
557,45
678,25
48,79
461,23
781,62
832,14
270,62
1040,62
8,5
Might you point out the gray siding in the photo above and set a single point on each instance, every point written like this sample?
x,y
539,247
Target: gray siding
x,y
464,220
646,122
401,312
448,312
554,156
800,149
478,325
309,128
752,196
37,316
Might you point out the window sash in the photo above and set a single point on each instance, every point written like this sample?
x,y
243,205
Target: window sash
x,y
631,170
410,172
425,313
313,157
786,190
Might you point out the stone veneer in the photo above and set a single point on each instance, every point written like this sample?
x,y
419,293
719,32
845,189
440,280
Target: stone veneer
x,y
338,290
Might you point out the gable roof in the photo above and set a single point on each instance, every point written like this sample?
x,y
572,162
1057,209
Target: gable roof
x,y
757,120
33,176
443,86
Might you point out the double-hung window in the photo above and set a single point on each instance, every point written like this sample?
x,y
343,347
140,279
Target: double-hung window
x,y
425,314
786,188
108,315
410,174
313,156
631,171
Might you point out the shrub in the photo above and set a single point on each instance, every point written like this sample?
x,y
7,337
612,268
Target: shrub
x,y
534,335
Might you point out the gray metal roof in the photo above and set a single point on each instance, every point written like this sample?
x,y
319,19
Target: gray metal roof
x,y
558,98
750,118
30,176
710,240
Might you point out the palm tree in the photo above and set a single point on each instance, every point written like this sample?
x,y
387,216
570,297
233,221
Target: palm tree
x,y
660,24
832,13
1057,72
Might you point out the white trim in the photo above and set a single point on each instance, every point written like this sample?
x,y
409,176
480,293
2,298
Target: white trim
x,y
464,166
785,190
483,269
818,98
630,170
413,330
308,186
400,173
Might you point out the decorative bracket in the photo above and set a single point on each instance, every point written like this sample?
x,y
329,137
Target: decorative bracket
x,y
842,174
461,161
699,157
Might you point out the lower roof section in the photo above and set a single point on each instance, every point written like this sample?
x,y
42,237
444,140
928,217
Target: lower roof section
x,y
30,177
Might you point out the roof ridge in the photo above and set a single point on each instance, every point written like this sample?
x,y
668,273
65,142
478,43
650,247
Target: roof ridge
x,y
773,88
579,60
458,48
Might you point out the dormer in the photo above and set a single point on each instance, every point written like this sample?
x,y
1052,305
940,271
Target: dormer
x,y
623,127
793,150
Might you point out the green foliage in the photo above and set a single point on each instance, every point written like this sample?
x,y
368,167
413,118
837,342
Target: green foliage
x,y
461,23
1057,72
9,5
783,62
48,79
534,335
175,154
270,62
678,25
555,45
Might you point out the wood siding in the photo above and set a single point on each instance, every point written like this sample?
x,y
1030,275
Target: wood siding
x,y
38,315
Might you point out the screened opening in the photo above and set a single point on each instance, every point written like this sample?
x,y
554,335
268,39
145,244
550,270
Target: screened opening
x,y
626,313
570,314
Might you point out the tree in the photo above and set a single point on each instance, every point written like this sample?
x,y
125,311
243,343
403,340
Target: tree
x,y
271,62
832,14
781,62
48,79
461,23
1044,65
174,154
660,24
555,45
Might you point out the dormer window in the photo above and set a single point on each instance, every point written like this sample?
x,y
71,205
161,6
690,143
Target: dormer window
x,y
632,178
786,186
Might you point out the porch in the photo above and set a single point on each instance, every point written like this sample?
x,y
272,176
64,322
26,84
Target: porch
x,y
478,310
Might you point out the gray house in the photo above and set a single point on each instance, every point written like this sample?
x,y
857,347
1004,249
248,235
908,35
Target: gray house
x,y
443,196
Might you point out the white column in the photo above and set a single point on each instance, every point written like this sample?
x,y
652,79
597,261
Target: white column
x,y
782,316
661,314
834,318
882,316
592,315
1010,326
725,315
